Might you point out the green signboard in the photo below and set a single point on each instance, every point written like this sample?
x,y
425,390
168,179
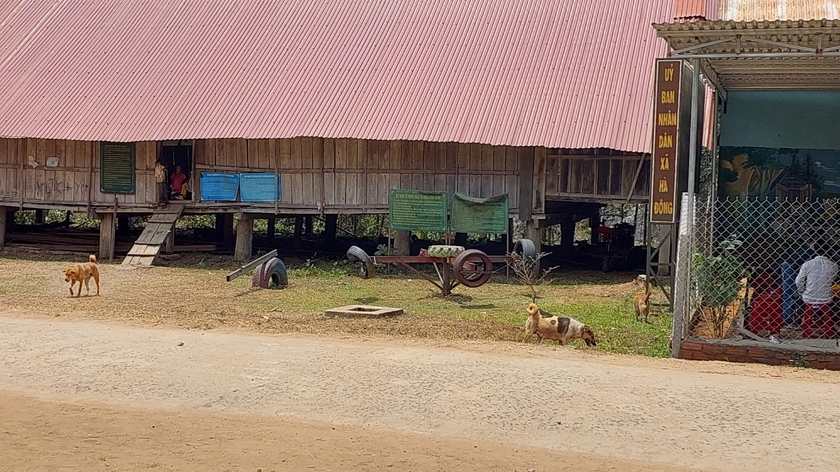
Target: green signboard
x,y
479,215
413,210
116,168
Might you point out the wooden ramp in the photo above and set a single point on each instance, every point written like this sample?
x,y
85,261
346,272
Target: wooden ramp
x,y
153,237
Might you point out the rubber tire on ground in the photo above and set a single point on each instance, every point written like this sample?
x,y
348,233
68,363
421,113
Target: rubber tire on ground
x,y
527,248
441,250
358,256
472,256
271,274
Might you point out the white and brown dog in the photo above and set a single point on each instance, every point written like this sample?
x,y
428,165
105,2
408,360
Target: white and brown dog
x,y
560,328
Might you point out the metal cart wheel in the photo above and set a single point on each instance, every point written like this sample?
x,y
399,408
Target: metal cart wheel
x,y
472,268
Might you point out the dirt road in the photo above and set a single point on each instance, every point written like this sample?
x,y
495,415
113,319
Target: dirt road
x,y
109,397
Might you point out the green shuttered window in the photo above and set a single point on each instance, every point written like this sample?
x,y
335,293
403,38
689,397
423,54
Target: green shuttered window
x,y
116,168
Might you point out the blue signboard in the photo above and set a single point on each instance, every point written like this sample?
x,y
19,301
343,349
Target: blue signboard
x,y
219,186
259,187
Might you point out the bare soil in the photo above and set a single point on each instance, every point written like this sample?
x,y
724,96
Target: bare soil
x,y
48,435
104,396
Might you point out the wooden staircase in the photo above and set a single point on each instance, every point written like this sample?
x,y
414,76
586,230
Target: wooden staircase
x,y
153,237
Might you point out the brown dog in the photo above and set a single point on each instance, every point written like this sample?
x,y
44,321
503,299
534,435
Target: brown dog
x,y
560,328
641,304
82,273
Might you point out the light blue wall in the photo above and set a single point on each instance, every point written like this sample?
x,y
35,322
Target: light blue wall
x,y
780,119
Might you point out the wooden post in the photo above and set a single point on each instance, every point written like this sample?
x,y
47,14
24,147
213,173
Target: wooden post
x,y
107,230
4,216
170,242
567,234
298,231
224,229
402,243
219,227
40,217
330,228
534,233
594,223
308,225
272,227
122,226
526,183
244,238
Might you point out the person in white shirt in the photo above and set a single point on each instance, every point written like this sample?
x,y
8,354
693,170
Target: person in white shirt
x,y
814,282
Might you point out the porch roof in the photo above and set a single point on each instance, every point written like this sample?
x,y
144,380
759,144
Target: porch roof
x,y
760,55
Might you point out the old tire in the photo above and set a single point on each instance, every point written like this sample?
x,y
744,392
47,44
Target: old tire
x,y
363,262
472,268
527,248
271,274
440,250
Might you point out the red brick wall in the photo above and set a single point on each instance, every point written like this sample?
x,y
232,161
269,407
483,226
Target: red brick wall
x,y
702,351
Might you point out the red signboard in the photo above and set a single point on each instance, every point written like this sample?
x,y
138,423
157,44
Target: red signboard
x,y
663,183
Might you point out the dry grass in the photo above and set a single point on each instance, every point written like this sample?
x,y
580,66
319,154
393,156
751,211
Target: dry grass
x,y
192,293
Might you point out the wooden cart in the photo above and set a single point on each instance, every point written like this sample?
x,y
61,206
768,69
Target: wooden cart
x,y
469,267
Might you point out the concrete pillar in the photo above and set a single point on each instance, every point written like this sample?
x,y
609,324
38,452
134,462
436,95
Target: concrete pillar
x,y
244,239
402,243
107,236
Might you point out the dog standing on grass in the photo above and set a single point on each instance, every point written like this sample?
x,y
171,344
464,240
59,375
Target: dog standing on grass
x,y
82,273
641,303
560,328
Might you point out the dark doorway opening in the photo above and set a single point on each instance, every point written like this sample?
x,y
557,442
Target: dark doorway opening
x,y
175,154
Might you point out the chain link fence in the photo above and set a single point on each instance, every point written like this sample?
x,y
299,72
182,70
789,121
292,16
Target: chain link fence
x,y
738,261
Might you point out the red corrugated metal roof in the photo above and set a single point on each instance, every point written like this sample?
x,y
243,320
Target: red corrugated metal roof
x,y
553,73
696,9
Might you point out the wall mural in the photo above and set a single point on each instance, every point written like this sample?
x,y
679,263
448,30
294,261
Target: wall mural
x,y
750,173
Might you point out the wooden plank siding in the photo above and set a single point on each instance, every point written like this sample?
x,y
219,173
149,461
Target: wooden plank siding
x,y
356,175
592,177
327,175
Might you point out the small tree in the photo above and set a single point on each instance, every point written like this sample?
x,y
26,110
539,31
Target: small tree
x,y
717,283
527,271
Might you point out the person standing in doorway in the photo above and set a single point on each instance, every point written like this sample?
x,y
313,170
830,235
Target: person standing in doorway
x,y
160,179
815,282
177,182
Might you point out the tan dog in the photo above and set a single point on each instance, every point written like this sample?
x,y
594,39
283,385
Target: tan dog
x,y
641,304
82,273
560,328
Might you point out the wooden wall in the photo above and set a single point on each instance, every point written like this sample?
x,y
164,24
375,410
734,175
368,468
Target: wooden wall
x,y
333,175
357,174
598,178
347,175
75,181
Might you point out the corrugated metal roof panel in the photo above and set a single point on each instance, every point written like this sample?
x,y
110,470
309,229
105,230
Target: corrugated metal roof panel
x,y
552,73
771,10
696,9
